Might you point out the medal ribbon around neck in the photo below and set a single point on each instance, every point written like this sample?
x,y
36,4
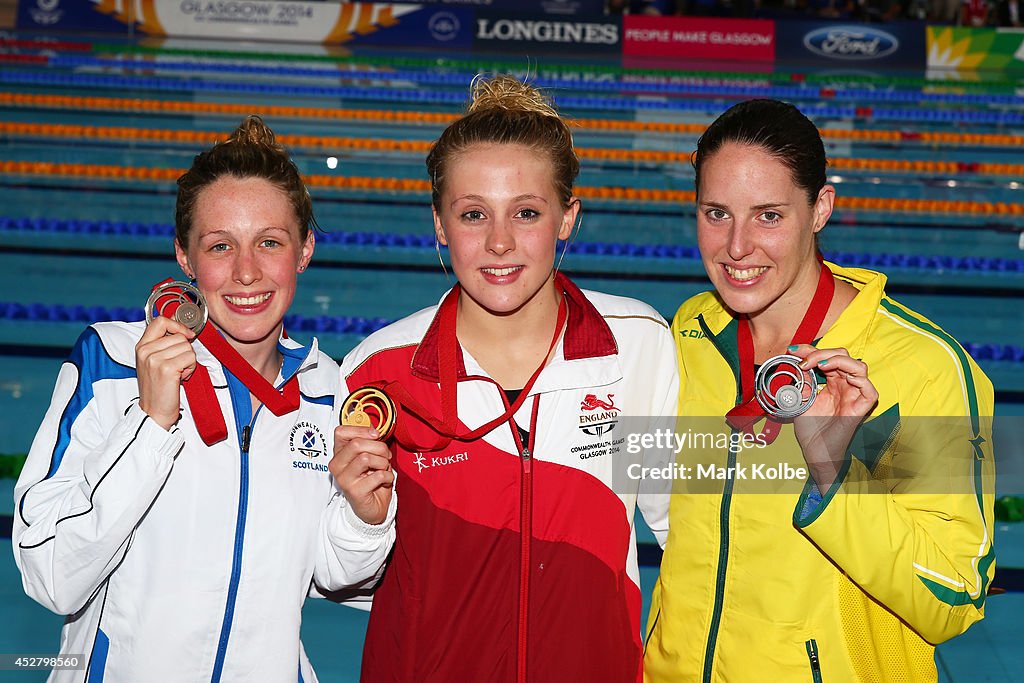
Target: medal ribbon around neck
x,y
168,296
448,356
745,415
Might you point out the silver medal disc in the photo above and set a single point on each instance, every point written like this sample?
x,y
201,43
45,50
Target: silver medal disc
x,y
793,396
191,310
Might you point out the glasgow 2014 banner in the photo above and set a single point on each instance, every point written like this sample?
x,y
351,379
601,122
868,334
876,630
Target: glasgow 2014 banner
x,y
409,25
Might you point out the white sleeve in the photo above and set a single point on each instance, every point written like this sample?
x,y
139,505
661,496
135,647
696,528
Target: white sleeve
x,y
350,552
88,480
662,376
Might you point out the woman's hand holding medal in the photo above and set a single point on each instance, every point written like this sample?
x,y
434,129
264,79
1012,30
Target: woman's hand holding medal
x,y
826,429
362,468
164,358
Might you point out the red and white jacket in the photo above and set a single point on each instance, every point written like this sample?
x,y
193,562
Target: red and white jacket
x,y
517,561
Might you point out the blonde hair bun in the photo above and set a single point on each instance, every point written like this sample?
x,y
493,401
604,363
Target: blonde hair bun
x,y
509,94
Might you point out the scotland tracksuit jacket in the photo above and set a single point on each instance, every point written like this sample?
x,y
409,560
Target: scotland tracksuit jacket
x,y
175,561
515,560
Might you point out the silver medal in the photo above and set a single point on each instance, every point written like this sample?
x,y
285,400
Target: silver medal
x,y
795,388
191,310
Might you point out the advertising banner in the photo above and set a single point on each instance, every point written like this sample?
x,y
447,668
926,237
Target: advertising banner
x,y
299,21
112,16
574,8
748,40
542,34
898,44
970,49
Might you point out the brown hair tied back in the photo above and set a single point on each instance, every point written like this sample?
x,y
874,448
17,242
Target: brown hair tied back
x,y
251,151
506,111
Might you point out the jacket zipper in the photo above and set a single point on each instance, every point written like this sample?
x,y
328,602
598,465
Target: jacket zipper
x,y
245,441
812,656
236,560
723,544
525,536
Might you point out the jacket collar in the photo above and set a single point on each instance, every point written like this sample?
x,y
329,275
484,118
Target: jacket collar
x,y
298,359
587,335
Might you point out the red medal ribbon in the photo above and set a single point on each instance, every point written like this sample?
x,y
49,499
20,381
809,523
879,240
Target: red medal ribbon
x,y
745,415
448,357
199,388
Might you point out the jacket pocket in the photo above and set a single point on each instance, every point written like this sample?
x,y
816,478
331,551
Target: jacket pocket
x,y
812,658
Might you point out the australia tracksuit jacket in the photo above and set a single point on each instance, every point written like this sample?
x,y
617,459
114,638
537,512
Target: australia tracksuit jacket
x,y
760,582
175,561
516,560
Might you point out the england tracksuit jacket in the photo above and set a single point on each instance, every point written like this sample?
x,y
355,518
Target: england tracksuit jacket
x,y
517,561
175,561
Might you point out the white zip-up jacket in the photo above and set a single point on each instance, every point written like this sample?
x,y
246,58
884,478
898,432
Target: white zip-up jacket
x,y
176,561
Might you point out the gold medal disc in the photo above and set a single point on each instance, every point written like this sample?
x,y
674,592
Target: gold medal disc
x,y
370,407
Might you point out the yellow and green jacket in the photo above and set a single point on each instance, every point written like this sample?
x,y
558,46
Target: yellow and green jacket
x,y
760,583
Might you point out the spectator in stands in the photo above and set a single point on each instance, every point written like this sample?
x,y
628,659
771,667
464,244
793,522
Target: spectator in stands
x,y
974,13
648,7
833,9
945,11
879,10
1009,13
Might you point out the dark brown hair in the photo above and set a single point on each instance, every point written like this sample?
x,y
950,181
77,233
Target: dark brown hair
x,y
780,129
251,151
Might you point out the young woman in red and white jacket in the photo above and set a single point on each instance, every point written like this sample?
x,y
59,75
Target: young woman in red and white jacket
x,y
515,556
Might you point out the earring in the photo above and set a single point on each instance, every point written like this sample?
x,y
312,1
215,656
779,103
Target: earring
x,y
572,236
302,269
437,248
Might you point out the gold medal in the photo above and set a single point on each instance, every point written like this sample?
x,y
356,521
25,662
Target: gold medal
x,y
369,407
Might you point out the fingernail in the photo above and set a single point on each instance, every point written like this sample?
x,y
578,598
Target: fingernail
x,y
823,362
792,347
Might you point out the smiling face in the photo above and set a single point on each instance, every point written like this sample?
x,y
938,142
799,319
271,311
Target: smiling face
x,y
756,231
501,218
244,250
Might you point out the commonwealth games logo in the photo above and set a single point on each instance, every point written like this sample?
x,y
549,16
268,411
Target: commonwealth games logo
x,y
310,440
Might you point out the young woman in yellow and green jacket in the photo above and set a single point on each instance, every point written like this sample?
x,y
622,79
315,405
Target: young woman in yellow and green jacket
x,y
873,543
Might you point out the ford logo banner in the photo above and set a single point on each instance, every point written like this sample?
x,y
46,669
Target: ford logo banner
x,y
851,42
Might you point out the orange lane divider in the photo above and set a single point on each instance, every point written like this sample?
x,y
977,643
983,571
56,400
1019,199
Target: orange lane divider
x,y
79,103
404,185
420,147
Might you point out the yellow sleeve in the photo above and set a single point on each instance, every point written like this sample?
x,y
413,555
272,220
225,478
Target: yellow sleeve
x,y
913,528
